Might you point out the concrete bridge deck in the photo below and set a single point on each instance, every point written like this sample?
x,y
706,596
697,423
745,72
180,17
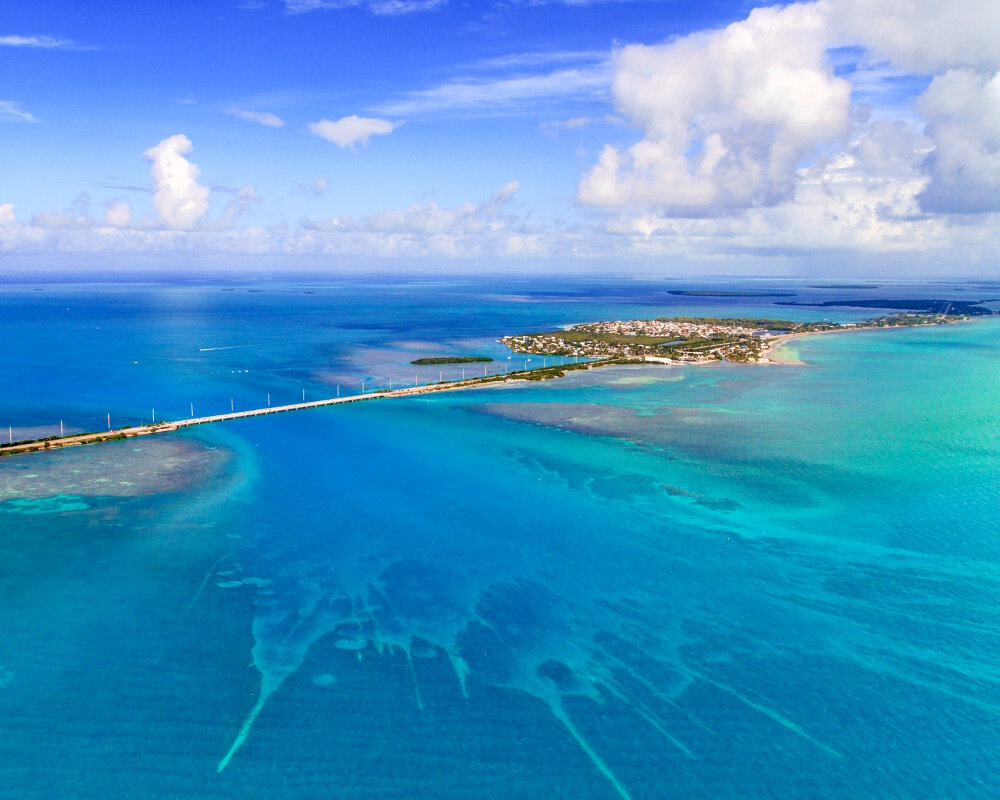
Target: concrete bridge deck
x,y
173,425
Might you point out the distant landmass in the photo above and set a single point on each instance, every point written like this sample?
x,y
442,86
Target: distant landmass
x,y
714,293
971,308
689,339
423,362
843,286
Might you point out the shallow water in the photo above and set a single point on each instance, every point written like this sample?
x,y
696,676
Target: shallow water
x,y
643,582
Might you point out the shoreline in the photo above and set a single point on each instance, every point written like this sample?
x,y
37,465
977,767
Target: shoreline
x,y
118,434
541,374
778,341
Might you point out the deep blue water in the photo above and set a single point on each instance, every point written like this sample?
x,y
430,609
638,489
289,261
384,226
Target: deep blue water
x,y
722,581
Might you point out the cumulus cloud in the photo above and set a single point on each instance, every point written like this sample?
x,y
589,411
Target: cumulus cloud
x,y
727,115
239,203
963,113
180,201
469,230
76,217
467,218
890,148
265,118
424,230
428,218
316,188
922,35
352,130
731,117
118,214
12,111
841,209
749,148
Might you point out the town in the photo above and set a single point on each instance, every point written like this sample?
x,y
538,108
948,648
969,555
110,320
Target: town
x,y
688,339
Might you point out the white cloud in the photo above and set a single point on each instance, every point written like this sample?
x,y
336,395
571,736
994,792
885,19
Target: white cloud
x,y
890,149
316,188
503,93
957,43
426,229
580,3
749,149
76,217
727,115
352,130
12,111
179,199
538,58
118,214
180,202
43,42
395,7
488,229
265,118
467,218
923,35
731,117
378,7
963,113
239,203
843,217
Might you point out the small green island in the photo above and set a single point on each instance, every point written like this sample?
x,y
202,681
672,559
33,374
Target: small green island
x,y
435,360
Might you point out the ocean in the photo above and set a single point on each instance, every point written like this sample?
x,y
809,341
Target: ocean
x,y
714,581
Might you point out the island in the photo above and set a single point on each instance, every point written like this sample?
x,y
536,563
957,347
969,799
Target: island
x,y
591,345
946,308
694,339
435,360
718,293
842,286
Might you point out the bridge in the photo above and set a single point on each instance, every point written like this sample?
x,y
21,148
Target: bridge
x,y
72,440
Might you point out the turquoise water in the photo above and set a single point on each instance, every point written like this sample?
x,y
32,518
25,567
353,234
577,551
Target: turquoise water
x,y
721,581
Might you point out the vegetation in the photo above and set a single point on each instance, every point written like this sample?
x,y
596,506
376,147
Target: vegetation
x,y
692,339
714,293
547,373
842,286
952,308
53,442
764,323
423,362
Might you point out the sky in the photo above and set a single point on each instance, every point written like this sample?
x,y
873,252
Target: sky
x,y
854,137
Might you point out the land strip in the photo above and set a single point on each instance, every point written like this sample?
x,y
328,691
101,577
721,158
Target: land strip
x,y
695,340
662,340
55,442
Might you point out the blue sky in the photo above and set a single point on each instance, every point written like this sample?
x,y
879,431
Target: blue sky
x,y
842,136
